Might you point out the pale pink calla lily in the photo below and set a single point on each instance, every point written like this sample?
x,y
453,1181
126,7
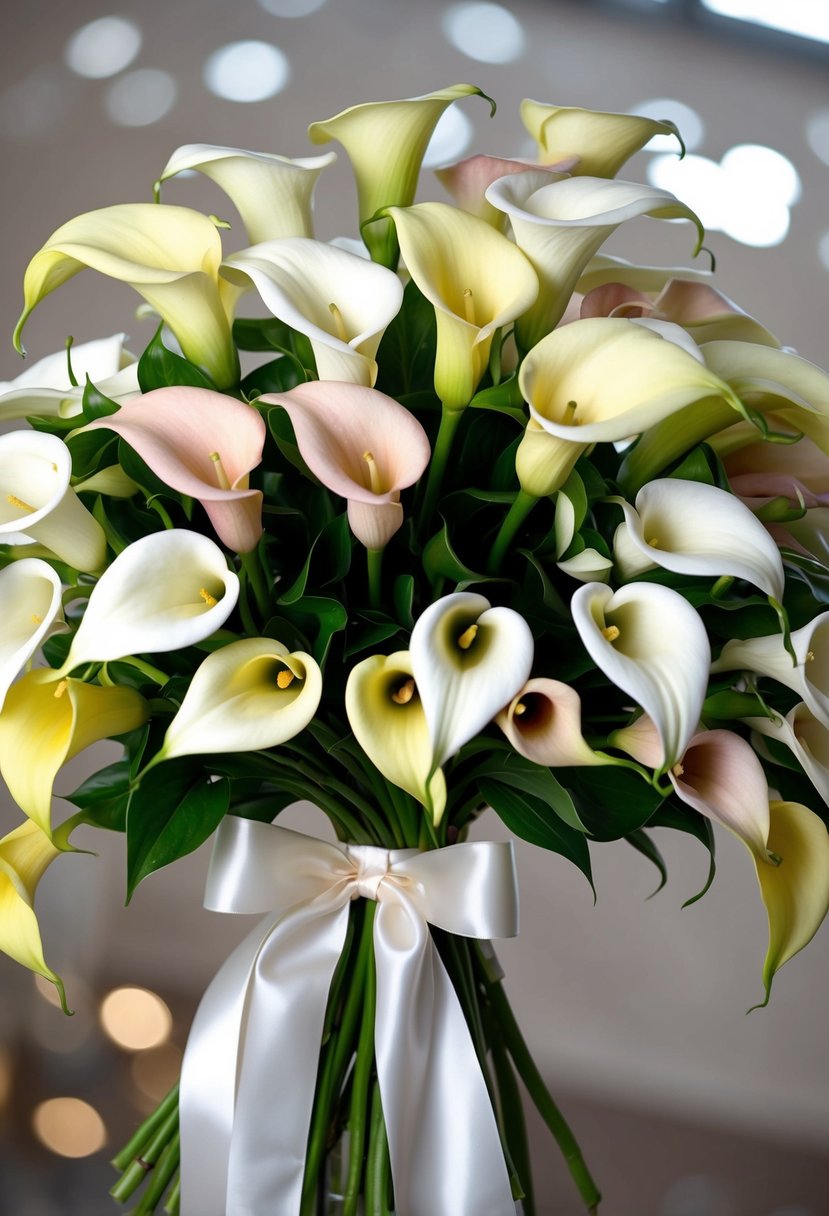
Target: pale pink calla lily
x,y
203,444
543,723
467,181
360,444
720,776
760,470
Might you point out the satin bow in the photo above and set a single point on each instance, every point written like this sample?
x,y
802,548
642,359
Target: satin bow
x,y
249,1070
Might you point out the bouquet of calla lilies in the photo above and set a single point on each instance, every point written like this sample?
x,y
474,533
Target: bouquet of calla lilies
x,y
474,516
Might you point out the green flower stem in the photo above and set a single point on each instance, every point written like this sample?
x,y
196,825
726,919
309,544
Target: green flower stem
x,y
374,564
528,1072
518,512
361,1080
378,1166
350,827
255,578
136,1172
147,669
160,1178
144,1134
512,1117
154,504
335,1059
449,420
173,1204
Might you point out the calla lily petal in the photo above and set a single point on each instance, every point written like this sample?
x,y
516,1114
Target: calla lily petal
x,y
164,591
386,142
467,181
604,268
601,141
250,695
44,390
36,499
341,302
273,194
652,644
386,715
44,724
477,281
720,776
25,855
589,566
203,444
170,255
758,469
808,676
360,444
641,740
543,723
807,738
468,660
795,892
30,594
560,225
697,529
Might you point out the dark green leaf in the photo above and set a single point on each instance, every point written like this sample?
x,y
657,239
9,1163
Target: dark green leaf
x,y
406,355
683,819
261,333
278,376
91,451
611,801
643,844
159,367
516,771
95,404
403,597
530,818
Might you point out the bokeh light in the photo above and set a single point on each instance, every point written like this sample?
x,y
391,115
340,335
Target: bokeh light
x,y
140,98
103,47
247,71
291,8
69,1127
451,137
488,33
135,1018
154,1072
684,117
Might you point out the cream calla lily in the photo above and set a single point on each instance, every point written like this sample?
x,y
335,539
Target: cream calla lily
x,y
589,566
341,302
25,854
806,737
273,194
170,255
697,529
604,268
468,660
30,598
203,444
386,715
45,390
468,180
795,892
601,141
808,675
164,591
560,225
37,500
250,695
386,142
602,380
477,281
360,444
44,724
720,776
649,642
543,723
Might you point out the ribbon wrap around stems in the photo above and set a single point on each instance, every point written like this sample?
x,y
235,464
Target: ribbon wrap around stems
x,y
249,1071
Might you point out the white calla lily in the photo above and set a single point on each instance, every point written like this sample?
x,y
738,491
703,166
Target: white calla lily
x,y
650,643
45,390
30,598
806,737
37,500
250,695
468,661
808,675
589,566
697,529
560,225
273,194
164,591
169,255
386,714
341,302
602,142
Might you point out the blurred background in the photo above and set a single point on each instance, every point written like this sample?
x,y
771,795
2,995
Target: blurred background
x,y
635,1009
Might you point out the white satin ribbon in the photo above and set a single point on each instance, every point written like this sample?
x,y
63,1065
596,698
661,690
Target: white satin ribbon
x,y
250,1067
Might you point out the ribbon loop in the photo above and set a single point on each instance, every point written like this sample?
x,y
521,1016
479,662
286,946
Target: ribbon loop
x,y
249,1071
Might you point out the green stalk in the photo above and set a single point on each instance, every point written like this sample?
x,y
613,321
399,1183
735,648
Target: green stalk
x,y
143,1135
518,512
374,565
512,1118
449,420
173,1204
378,1166
256,579
361,1082
167,1166
138,1169
528,1072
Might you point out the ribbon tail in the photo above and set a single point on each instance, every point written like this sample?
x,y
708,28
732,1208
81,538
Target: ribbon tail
x,y
446,1154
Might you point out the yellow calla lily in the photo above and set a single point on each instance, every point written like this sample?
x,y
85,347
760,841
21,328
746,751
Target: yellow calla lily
x,y
601,141
386,715
170,255
25,854
796,891
44,724
477,281
386,142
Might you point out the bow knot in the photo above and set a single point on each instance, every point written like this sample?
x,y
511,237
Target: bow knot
x,y
372,867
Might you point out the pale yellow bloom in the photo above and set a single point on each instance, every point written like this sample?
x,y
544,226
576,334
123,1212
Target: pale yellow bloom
x,y
601,141
25,854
